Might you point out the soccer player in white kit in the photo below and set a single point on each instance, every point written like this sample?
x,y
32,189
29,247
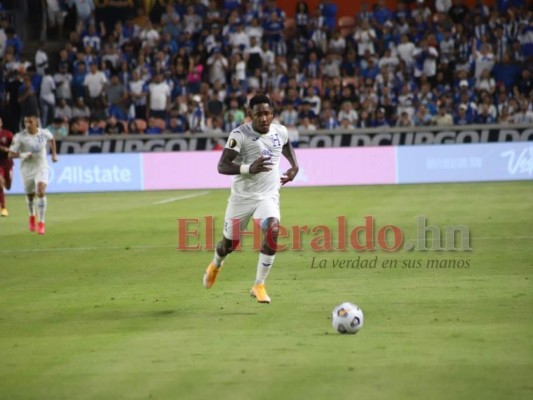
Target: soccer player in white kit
x,y
253,153
30,146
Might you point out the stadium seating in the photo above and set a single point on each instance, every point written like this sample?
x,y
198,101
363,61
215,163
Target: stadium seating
x,y
346,70
346,25
290,28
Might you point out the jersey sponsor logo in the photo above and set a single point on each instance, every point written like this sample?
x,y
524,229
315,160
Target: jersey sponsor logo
x,y
232,143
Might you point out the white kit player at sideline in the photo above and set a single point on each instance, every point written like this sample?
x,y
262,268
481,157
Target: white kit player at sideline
x,y
30,146
253,153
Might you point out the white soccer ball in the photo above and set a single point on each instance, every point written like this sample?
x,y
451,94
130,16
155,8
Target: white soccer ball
x,y
347,318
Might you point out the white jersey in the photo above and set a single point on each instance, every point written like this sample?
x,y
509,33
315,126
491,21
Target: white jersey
x,y
251,145
24,142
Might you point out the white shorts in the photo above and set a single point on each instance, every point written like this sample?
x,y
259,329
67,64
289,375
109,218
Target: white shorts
x,y
30,180
239,212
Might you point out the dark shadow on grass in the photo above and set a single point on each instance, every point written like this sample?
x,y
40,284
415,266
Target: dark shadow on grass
x,y
164,312
117,315
237,313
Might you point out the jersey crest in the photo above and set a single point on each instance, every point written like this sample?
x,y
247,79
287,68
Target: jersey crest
x,y
276,141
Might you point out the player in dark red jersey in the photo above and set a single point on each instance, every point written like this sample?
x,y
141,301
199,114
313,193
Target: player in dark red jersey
x,y
6,167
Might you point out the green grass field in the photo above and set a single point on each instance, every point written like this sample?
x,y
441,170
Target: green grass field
x,y
104,306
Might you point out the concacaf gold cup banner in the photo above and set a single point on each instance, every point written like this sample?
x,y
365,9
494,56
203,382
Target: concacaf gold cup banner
x,y
358,138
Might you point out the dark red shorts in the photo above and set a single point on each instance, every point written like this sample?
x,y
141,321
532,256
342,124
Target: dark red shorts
x,y
6,171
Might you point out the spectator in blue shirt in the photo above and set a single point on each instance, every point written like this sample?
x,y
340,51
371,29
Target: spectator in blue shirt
x,y
461,118
95,127
153,128
381,120
484,117
178,124
12,40
328,10
381,13
371,70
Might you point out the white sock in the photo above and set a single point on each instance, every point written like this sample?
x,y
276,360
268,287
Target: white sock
x,y
263,267
31,208
41,208
218,260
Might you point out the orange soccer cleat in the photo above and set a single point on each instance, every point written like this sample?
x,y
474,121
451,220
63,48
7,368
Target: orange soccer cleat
x,y
210,275
40,228
259,292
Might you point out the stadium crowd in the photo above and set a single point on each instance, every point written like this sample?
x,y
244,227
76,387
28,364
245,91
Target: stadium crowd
x,y
190,66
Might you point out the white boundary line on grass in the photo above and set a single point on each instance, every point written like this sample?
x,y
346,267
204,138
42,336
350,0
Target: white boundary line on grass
x,y
175,246
185,196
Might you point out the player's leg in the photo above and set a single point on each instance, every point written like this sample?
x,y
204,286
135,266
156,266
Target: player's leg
x,y
270,229
3,187
223,249
8,178
41,207
238,214
267,212
29,189
41,181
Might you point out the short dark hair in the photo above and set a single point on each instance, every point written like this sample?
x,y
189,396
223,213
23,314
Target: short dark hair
x,y
260,99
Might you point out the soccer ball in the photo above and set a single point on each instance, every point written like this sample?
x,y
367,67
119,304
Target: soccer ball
x,y
347,318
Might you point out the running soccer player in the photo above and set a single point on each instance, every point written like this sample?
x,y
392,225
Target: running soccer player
x,y
30,146
253,153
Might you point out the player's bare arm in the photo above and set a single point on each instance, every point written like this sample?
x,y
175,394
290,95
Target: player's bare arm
x,y
288,153
16,154
226,166
54,150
